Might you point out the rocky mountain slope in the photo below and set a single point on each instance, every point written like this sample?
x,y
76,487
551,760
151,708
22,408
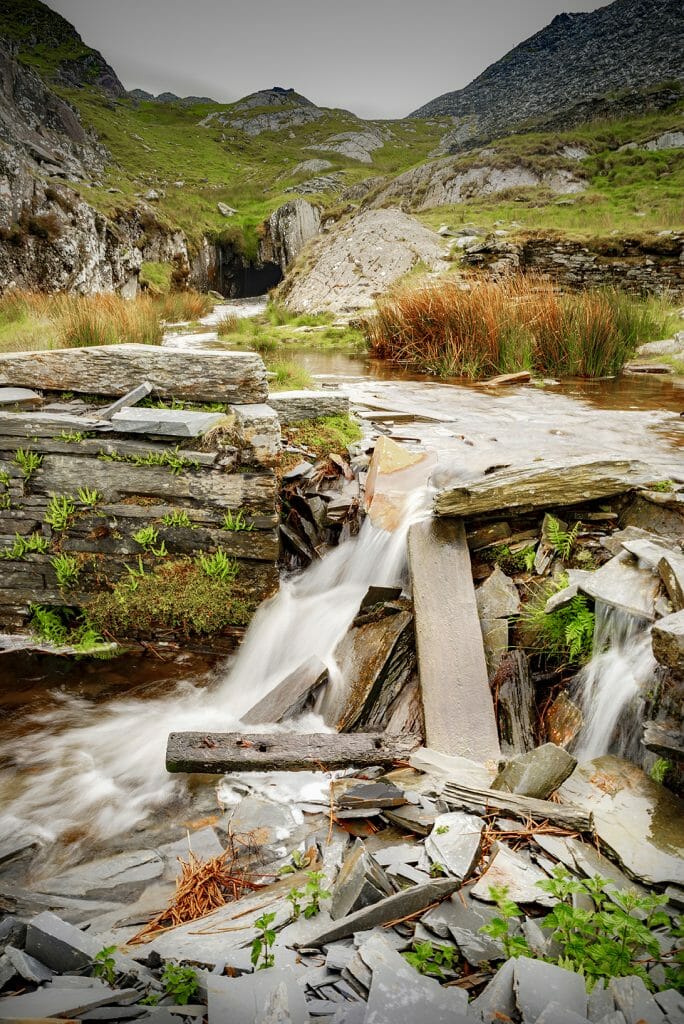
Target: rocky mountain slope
x,y
577,58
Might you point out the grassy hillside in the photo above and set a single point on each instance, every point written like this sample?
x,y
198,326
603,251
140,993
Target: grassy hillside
x,y
157,146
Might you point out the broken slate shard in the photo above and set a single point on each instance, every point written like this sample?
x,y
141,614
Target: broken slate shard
x,y
537,773
454,842
361,882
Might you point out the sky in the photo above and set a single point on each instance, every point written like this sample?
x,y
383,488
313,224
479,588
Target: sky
x,y
378,58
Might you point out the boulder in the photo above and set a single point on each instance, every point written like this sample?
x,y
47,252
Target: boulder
x,y
537,773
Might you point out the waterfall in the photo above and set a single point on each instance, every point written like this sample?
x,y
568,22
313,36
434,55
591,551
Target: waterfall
x,y
611,688
100,771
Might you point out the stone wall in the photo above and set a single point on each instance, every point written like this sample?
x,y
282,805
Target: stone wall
x,y
648,265
147,465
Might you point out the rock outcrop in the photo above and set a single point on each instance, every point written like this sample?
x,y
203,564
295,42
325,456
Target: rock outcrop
x,y
448,181
288,229
346,268
627,45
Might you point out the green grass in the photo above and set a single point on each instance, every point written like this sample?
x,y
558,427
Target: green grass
x,y
289,376
156,277
324,435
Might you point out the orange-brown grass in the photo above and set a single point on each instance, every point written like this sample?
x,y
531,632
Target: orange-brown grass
x,y
520,323
35,320
202,887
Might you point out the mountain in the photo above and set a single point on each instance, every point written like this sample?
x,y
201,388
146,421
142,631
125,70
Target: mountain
x,y
49,44
142,96
626,46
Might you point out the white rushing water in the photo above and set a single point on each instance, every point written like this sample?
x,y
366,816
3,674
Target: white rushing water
x,y
611,688
100,770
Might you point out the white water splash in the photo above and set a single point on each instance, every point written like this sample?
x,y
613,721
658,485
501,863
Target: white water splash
x,y
100,770
610,689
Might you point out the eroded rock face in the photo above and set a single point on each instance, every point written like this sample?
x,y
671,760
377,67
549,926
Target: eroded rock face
x,y
289,228
345,269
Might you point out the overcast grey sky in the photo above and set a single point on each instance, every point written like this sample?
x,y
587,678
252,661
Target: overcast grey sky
x,y
378,58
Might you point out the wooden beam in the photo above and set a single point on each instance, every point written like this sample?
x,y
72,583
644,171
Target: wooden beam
x,y
472,798
216,753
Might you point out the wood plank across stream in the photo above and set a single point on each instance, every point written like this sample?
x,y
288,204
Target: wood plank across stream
x,y
216,753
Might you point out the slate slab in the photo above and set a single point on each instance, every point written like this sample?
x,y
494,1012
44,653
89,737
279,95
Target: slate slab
x,y
462,918
27,966
249,997
517,873
54,1002
129,868
639,821
537,984
165,422
538,773
623,584
360,883
399,995
496,1002
455,842
634,1000
497,597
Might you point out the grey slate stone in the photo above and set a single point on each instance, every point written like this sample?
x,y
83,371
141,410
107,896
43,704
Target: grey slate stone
x,y
12,932
622,584
59,945
399,995
537,984
165,422
671,1003
600,1002
455,842
635,1001
517,873
27,966
538,773
360,883
129,868
463,918
616,1017
554,1013
247,998
7,970
53,1002
204,843
497,1001
497,597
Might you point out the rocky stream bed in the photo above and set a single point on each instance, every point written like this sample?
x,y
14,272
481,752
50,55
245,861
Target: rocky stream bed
x,y
369,882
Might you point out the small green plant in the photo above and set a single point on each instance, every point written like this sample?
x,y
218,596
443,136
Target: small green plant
x,y
135,574
662,485
181,983
297,863
312,893
178,518
70,436
28,462
33,544
562,541
60,512
218,566
442,830
510,561
262,946
148,539
48,625
89,497
660,770
614,938
236,523
565,635
104,965
437,869
67,571
431,960
170,457
4,478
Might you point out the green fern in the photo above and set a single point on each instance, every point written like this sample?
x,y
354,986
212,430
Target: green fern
x,y
562,541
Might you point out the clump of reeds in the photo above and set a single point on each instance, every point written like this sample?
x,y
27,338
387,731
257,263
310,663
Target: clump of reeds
x,y
520,323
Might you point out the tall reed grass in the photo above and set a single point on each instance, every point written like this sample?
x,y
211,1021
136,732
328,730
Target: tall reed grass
x,y
521,323
34,320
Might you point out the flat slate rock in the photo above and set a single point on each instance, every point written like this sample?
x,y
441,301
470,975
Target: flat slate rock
x,y
497,597
56,1002
537,984
19,396
399,995
130,868
634,1001
27,966
622,584
249,997
496,1002
165,422
360,883
455,842
517,873
639,821
462,918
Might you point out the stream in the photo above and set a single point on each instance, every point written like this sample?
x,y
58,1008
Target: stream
x,y
82,752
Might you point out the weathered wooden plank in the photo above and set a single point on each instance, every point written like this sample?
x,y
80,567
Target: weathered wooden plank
x,y
526,488
216,753
61,474
197,375
566,815
457,701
